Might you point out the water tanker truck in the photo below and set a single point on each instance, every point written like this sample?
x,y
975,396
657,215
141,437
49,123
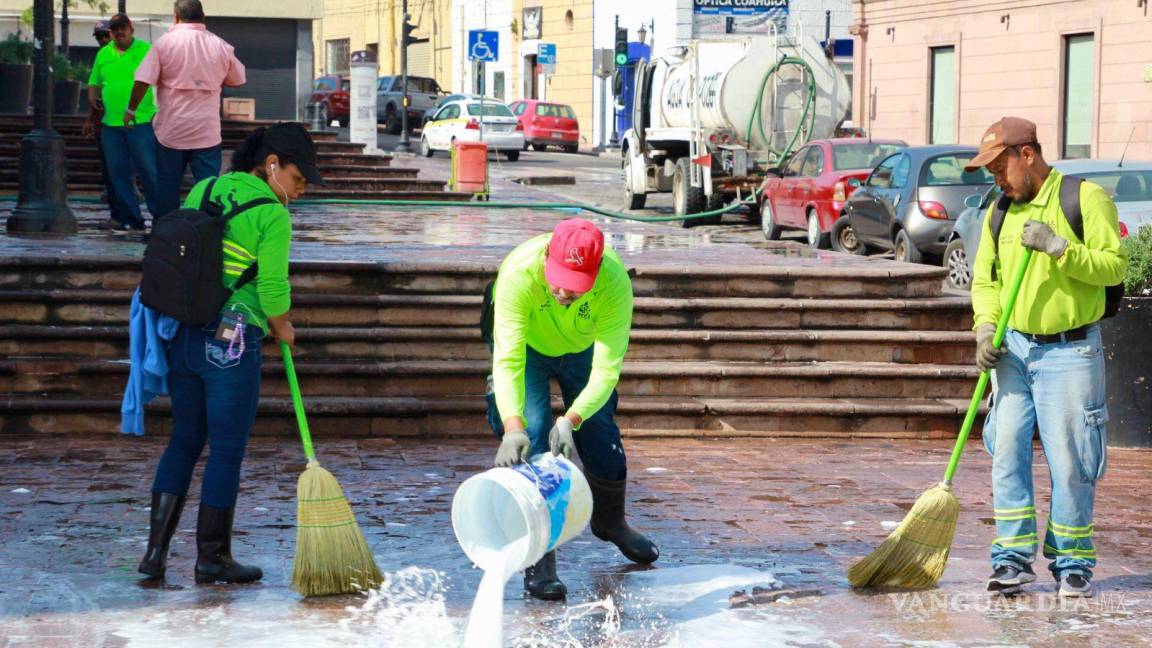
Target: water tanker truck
x,y
710,118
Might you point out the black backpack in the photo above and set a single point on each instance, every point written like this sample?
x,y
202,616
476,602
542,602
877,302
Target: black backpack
x,y
1070,205
183,269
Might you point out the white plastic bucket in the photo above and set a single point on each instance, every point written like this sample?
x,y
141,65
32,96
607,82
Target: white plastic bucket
x,y
536,506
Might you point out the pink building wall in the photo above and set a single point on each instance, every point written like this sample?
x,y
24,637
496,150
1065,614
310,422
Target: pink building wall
x,y
1009,60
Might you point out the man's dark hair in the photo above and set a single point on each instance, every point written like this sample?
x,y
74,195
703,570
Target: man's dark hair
x,y
190,10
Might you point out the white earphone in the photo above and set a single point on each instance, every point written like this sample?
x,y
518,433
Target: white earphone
x,y
273,167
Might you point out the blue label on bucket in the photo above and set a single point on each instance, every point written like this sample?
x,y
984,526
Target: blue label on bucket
x,y
554,480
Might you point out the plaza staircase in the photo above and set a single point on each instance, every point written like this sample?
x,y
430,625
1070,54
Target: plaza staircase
x,y
348,171
868,350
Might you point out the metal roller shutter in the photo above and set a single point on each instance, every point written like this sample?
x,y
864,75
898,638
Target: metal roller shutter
x,y
420,60
267,48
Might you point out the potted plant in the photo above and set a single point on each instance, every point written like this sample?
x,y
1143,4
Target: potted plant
x,y
1128,350
15,75
66,90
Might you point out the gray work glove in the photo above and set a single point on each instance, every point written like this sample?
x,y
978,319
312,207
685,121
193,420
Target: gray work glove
x,y
986,355
513,449
560,438
1040,237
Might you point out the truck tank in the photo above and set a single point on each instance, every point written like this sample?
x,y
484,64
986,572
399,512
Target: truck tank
x,y
746,91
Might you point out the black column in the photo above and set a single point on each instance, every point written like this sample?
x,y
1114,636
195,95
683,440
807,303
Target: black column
x,y
64,27
42,207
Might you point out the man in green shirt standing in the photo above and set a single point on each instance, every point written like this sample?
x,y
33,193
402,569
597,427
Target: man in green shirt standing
x,y
1049,372
126,149
563,310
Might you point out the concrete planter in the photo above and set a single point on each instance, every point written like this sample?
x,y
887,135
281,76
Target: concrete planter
x,y
16,80
66,97
1128,362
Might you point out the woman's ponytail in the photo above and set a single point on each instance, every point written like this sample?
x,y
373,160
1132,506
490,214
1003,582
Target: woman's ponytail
x,y
246,156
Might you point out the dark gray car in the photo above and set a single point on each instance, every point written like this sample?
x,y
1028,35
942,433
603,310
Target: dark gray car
x,y
910,201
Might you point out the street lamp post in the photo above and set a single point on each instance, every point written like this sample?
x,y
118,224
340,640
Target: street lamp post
x,y
42,206
405,144
64,27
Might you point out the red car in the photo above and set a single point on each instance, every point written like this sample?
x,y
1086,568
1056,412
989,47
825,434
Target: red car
x,y
547,124
333,91
812,186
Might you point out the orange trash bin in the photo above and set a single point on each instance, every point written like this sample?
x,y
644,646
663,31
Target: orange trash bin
x,y
470,167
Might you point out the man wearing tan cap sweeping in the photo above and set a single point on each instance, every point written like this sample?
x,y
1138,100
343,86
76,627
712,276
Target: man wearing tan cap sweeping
x,y
1049,372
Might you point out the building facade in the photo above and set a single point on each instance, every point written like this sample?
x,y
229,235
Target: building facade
x,y
348,26
273,40
941,72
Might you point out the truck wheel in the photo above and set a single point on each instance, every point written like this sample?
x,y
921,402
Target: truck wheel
x,y
633,200
713,202
512,155
392,121
686,199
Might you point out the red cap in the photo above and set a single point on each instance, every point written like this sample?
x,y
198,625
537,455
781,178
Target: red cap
x,y
574,255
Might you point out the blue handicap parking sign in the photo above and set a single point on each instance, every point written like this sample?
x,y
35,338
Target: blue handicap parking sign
x,y
483,45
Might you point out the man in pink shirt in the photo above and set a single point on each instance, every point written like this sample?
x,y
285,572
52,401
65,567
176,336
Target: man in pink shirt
x,y
188,66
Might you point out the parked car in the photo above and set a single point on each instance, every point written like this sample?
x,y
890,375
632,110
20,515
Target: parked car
x,y
333,92
1130,186
547,124
435,108
810,189
423,93
910,201
462,120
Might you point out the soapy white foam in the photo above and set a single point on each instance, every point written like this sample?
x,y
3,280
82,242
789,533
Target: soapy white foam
x,y
486,621
21,491
888,525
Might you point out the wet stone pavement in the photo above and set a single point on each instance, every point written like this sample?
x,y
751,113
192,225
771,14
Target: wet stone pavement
x,y
729,515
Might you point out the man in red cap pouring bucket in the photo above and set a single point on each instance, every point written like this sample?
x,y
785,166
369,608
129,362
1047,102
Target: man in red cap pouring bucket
x,y
561,307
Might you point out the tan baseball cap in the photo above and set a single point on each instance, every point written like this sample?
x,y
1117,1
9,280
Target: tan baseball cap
x,y
1009,131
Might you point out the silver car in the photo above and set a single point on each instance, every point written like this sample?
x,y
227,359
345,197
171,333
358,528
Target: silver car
x,y
1130,186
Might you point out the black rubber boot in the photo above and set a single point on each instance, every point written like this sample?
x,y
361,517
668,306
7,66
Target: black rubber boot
x,y
214,563
608,521
163,519
540,580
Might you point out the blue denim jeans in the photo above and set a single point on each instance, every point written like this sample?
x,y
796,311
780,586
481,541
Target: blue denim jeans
x,y
1058,388
170,166
213,401
597,440
131,152
115,210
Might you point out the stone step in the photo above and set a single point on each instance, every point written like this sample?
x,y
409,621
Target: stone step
x,y
464,343
68,306
332,192
338,417
331,158
10,140
912,284
87,170
445,378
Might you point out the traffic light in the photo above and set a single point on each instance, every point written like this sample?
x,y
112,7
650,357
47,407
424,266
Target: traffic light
x,y
621,58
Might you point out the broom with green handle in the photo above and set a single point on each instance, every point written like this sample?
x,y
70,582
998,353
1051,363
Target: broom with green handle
x,y
332,556
916,552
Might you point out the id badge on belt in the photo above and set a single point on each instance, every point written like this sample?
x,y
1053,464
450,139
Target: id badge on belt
x,y
231,330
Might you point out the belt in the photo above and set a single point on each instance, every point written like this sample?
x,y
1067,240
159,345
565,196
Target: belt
x,y
1071,335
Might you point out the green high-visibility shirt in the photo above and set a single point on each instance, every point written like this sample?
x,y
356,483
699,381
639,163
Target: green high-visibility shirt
x,y
1057,294
527,315
114,72
261,234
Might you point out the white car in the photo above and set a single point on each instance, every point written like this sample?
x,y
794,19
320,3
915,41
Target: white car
x,y
469,120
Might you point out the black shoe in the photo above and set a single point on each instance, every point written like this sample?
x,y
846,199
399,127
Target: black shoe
x,y
540,580
1075,585
608,521
163,518
1008,578
214,563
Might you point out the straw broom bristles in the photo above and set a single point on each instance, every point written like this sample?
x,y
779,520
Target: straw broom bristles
x,y
332,556
916,552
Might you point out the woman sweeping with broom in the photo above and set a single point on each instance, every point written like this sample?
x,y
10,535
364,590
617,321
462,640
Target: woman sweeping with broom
x,y
214,368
